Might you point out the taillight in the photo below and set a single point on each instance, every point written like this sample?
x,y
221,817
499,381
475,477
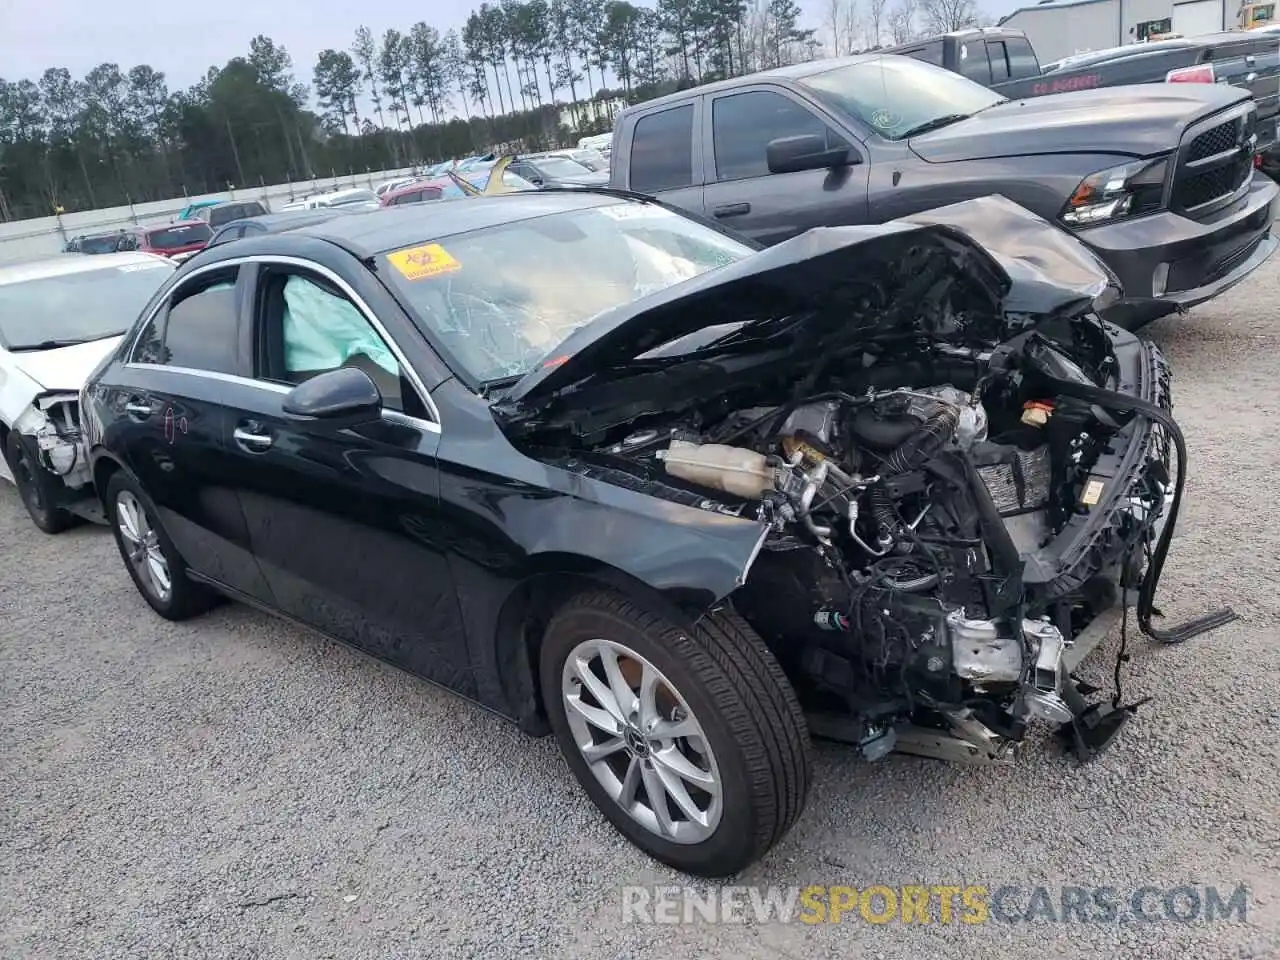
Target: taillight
x,y
1202,73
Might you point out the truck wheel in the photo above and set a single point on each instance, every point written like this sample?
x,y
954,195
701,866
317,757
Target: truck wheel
x,y
691,742
37,486
153,562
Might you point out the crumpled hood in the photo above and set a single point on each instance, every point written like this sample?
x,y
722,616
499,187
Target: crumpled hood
x,y
66,368
1133,121
1006,258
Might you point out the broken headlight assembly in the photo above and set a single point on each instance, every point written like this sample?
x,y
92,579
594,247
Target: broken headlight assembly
x,y
1128,190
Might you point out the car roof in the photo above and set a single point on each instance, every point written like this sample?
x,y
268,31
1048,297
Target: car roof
x,y
795,71
65,264
394,227
289,219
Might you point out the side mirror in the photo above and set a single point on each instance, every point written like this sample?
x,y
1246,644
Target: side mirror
x,y
806,152
345,395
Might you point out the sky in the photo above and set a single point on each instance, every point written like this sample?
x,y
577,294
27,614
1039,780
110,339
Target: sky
x,y
184,40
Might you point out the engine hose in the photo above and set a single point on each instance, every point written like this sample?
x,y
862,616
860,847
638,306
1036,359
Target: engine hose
x,y
922,445
1110,400
882,511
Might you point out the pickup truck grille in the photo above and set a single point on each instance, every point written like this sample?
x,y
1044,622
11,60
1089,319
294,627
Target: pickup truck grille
x,y
1215,162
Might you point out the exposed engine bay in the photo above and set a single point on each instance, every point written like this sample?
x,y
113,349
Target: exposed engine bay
x,y
940,532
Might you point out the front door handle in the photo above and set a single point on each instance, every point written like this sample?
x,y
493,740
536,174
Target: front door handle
x,y
731,210
252,438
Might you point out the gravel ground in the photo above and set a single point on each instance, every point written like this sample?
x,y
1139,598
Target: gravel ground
x,y
235,787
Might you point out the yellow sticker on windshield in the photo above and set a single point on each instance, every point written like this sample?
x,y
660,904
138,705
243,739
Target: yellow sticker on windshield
x,y
419,263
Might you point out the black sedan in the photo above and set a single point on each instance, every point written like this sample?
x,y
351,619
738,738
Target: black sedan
x,y
621,477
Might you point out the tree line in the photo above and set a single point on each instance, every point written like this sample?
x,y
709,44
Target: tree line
x,y
519,74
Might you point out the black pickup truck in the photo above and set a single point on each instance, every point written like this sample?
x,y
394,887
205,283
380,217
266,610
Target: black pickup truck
x,y
1157,180
1005,60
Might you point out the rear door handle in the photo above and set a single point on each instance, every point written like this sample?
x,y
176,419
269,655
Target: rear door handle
x,y
138,407
252,438
731,210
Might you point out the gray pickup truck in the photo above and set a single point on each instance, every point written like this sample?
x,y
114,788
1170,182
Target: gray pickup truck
x,y
1157,181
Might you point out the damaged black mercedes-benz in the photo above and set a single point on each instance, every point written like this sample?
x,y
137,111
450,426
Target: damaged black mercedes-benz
x,y
615,473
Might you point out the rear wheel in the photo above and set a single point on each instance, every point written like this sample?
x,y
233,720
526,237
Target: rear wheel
x,y
157,570
37,486
691,742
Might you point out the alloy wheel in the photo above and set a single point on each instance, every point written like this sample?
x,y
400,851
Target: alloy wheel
x,y
641,741
142,546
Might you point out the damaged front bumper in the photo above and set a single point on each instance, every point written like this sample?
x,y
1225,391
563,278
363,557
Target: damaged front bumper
x,y
51,428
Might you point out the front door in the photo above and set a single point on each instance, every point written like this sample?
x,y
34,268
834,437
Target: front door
x,y
342,518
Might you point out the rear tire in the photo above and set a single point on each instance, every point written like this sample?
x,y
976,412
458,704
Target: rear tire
x,y
153,562
706,710
38,488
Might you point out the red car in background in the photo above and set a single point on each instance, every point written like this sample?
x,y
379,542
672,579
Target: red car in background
x,y
421,191
178,241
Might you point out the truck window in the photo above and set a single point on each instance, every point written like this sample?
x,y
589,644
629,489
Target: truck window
x,y
662,150
743,124
973,62
1022,58
998,54
929,53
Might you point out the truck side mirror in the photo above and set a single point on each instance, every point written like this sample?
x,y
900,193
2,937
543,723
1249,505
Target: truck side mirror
x,y
807,152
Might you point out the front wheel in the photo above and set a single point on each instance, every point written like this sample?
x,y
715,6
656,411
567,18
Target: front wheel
x,y
37,486
691,742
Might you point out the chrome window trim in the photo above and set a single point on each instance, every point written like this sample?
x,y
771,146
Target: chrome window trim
x,y
391,416
287,261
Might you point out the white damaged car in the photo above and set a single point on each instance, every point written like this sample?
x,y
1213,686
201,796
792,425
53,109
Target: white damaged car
x,y
59,317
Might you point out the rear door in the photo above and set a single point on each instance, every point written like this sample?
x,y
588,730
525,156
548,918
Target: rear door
x,y
740,191
664,155
171,393
344,520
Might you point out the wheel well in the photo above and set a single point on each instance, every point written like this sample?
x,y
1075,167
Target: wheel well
x,y
522,623
103,470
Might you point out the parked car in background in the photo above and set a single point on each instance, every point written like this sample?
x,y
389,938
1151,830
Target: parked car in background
x,y
178,241
224,211
189,211
387,186
545,171
1158,181
58,318
591,159
95,243
1004,60
603,142
417,191
877,542
350,197
277,223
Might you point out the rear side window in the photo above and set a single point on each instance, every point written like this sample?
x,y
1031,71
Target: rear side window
x,y
198,328
178,235
999,57
929,53
1022,58
973,62
662,151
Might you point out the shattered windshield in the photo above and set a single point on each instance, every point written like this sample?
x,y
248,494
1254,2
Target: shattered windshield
x,y
80,306
499,299
899,96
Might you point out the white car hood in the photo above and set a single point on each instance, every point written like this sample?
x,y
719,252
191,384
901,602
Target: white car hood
x,y
66,368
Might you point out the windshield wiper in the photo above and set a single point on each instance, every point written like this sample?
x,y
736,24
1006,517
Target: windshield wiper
x,y
55,344
499,383
936,123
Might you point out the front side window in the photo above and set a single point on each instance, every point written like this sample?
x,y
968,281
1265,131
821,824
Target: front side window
x,y
496,300
894,96
78,307
1022,58
662,151
197,329
306,326
743,124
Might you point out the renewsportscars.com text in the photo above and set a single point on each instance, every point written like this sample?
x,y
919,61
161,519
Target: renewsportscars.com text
x,y
937,903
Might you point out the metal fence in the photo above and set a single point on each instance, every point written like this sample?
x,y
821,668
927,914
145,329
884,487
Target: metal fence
x,y
25,239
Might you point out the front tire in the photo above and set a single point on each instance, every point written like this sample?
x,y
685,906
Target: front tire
x,y
153,562
38,488
691,742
